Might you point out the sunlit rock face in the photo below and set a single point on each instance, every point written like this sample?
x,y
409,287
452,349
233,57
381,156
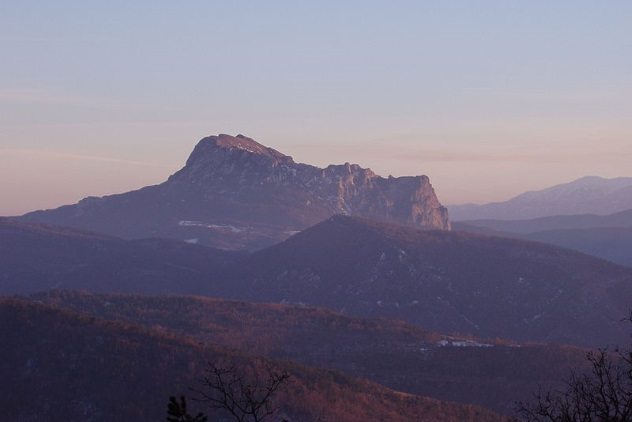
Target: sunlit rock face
x,y
235,193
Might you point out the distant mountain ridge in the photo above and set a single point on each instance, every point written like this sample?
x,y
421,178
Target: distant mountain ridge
x,y
450,282
588,195
59,365
557,222
606,236
443,281
235,193
40,257
398,355
611,243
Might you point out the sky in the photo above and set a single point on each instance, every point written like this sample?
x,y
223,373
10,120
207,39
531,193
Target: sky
x,y
488,98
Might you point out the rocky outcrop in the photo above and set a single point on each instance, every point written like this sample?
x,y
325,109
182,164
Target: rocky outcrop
x,y
236,193
239,164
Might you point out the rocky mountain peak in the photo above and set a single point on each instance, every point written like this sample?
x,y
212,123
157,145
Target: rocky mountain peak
x,y
242,143
218,158
236,193
233,145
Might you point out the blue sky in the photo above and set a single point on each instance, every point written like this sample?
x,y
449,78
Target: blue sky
x,y
489,98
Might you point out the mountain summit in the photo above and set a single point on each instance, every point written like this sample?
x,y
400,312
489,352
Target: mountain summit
x,y
235,193
588,195
211,144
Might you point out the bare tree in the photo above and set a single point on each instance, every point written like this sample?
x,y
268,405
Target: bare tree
x,y
604,393
242,392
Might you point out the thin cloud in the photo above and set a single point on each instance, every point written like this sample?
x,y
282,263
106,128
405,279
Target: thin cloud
x,y
52,40
437,154
534,154
25,95
471,156
80,157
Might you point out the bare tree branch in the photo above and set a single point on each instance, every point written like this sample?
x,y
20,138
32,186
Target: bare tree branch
x,y
242,392
602,394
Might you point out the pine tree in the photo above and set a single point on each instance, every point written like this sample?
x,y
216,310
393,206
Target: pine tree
x,y
177,411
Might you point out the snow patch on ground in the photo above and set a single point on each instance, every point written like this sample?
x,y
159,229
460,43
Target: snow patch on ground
x,y
222,227
462,343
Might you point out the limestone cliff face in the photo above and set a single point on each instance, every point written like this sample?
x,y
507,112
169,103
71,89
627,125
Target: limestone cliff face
x,y
236,193
232,162
240,165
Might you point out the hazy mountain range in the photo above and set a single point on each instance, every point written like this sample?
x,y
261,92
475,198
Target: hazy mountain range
x,y
357,285
605,236
38,257
444,281
588,195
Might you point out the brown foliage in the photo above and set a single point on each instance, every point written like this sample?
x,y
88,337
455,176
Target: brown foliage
x,y
75,367
392,353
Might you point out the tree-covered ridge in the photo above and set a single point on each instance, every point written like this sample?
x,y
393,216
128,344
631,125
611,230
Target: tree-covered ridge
x,y
78,367
493,373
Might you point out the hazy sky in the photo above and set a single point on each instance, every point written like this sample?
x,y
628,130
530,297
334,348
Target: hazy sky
x,y
489,98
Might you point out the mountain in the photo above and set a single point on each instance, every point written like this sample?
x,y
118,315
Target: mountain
x,y
450,282
588,195
234,193
59,365
605,236
611,243
558,222
35,257
392,353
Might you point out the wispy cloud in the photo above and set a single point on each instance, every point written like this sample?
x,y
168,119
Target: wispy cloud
x,y
56,39
79,157
493,153
29,95
606,92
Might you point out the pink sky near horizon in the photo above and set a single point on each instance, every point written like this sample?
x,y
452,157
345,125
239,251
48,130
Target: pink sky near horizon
x,y
61,178
489,98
